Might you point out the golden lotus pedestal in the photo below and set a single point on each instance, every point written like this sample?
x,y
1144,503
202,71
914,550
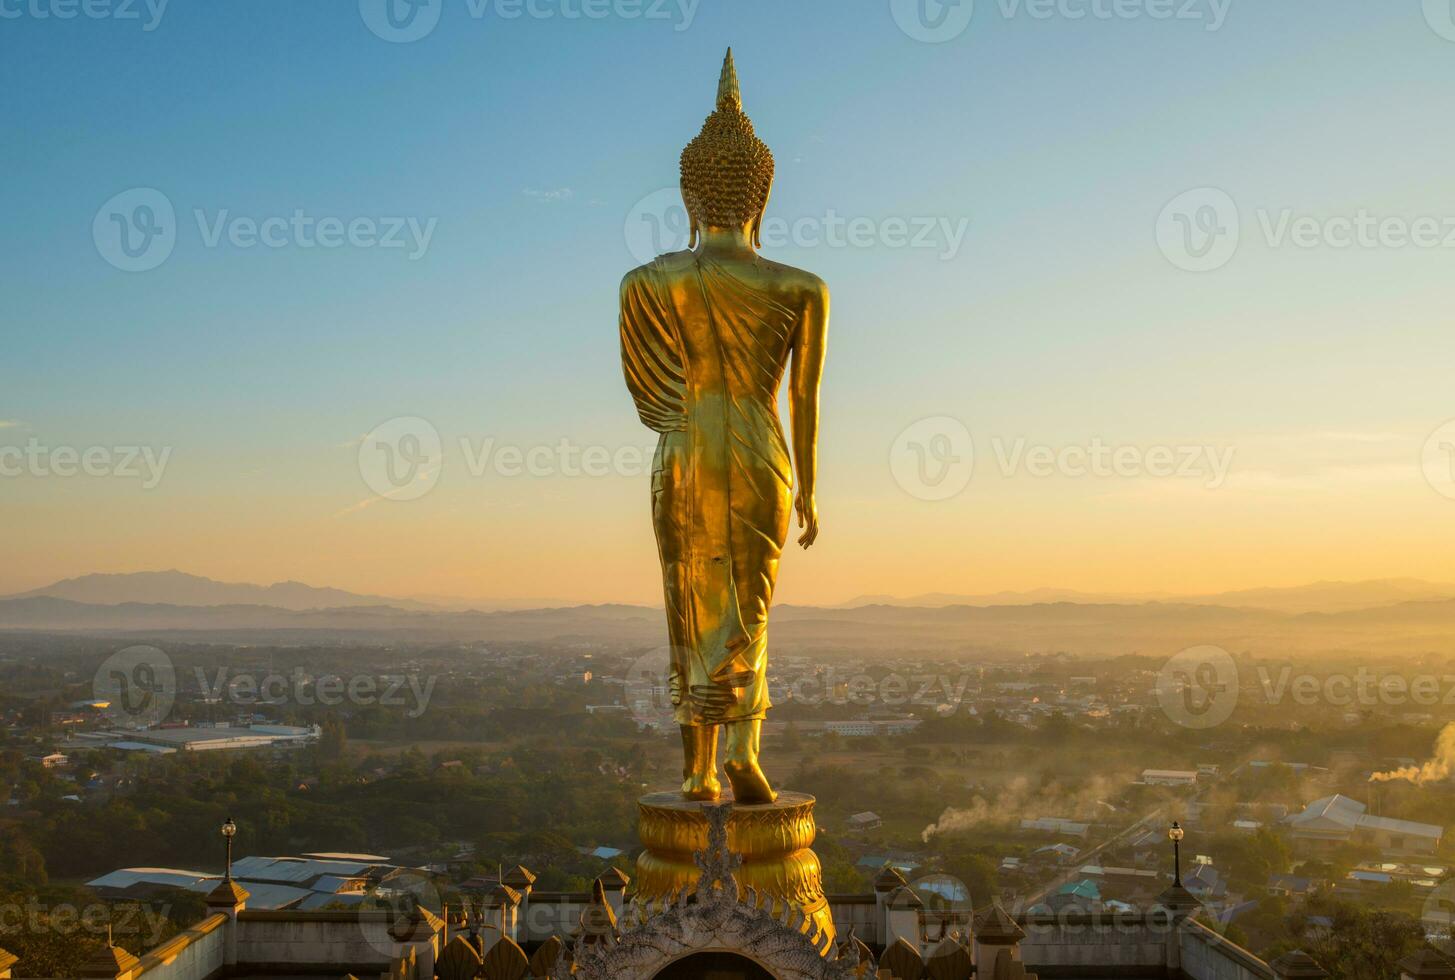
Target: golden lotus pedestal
x,y
774,840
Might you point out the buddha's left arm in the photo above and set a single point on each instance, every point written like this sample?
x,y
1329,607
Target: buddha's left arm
x,y
809,347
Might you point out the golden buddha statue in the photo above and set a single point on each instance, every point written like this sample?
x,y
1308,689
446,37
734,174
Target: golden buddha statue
x,y
707,335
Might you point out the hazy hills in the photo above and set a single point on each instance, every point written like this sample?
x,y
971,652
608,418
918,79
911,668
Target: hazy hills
x,y
1318,597
181,589
1385,617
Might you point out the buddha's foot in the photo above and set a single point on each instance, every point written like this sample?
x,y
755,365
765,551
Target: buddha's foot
x,y
699,786
749,784
699,763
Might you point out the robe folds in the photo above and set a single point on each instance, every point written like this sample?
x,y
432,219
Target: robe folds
x,y
704,354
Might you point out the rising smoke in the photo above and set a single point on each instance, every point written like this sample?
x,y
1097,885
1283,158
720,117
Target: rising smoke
x,y
1436,770
1019,799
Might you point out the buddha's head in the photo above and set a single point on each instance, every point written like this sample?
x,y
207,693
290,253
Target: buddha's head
x,y
727,172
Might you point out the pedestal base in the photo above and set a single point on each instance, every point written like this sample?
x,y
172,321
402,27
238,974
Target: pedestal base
x,y
774,839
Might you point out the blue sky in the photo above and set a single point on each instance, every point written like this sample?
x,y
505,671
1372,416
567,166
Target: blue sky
x,y
525,144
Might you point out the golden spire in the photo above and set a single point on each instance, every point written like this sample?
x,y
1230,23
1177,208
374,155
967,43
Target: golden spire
x,y
729,96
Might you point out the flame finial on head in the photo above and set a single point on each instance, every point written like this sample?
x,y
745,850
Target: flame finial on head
x,y
727,172
729,96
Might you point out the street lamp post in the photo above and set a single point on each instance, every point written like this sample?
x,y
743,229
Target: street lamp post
x,y
1175,833
229,831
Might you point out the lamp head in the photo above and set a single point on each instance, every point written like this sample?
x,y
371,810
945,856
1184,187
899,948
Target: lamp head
x,y
1175,832
229,829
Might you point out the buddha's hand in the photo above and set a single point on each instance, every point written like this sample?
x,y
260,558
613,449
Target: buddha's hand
x,y
807,509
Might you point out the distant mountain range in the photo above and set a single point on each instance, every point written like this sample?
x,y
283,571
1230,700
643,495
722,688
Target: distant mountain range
x,y
1392,616
1318,597
176,588
181,589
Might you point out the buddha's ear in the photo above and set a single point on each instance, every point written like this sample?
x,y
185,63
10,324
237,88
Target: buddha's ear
x,y
758,221
694,230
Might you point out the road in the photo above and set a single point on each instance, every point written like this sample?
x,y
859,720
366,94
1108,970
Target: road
x,y
1090,857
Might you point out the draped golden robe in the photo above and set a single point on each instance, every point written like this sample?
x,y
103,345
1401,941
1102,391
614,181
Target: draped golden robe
x,y
704,354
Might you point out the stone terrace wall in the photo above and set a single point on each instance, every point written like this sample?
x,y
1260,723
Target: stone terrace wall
x,y
1208,956
859,913
198,953
546,914
1096,945
354,942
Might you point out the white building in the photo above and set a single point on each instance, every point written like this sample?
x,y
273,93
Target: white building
x,y
1169,777
1335,820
